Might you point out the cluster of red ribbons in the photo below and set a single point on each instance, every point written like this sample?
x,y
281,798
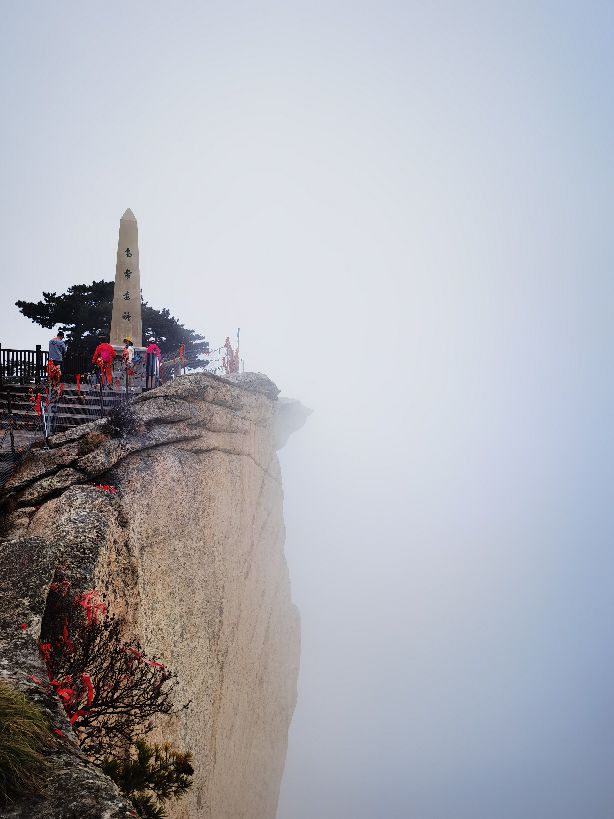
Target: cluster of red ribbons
x,y
65,638
70,695
93,605
106,488
54,373
89,689
69,691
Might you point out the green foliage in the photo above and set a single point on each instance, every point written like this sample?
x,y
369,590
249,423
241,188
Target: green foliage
x,y
152,775
84,313
24,736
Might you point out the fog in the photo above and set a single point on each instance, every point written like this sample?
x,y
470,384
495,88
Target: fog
x,y
406,208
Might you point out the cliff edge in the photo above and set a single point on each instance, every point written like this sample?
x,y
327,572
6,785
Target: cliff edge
x,y
190,551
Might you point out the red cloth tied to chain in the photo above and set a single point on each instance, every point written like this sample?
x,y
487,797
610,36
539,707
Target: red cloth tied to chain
x,y
87,683
64,690
65,638
92,604
54,373
79,713
106,488
37,404
65,694
78,383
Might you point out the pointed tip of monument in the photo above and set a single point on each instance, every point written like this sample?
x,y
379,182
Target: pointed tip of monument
x,y
129,215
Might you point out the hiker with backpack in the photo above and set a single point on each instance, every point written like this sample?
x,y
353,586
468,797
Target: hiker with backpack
x,y
103,358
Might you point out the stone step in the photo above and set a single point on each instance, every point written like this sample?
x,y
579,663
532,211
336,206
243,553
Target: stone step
x,y
85,390
93,401
86,403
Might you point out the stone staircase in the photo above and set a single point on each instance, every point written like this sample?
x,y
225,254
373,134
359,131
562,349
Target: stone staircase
x,y
69,411
20,426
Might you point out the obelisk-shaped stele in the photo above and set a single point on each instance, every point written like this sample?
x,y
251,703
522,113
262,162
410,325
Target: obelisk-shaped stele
x,y
126,317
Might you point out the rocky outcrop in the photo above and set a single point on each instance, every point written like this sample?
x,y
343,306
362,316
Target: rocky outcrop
x,y
190,552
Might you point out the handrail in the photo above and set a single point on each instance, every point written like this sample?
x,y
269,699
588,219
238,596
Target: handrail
x,y
23,366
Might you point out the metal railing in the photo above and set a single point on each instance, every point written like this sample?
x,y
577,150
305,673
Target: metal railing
x,y
22,366
30,366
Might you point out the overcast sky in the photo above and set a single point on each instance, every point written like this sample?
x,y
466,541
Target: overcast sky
x,y
407,208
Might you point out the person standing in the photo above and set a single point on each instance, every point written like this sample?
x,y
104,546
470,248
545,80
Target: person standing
x,y
103,358
57,351
127,359
152,364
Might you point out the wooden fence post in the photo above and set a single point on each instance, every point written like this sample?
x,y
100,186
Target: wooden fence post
x,y
39,364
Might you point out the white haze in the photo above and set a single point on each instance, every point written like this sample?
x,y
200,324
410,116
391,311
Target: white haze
x,y
406,207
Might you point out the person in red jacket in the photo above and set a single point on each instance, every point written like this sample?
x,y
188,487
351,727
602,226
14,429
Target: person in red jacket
x,y
103,358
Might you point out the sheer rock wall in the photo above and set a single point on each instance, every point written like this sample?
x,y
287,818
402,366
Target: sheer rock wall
x,y
190,551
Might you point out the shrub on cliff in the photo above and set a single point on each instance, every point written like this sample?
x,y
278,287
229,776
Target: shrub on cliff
x,y
24,737
150,776
109,688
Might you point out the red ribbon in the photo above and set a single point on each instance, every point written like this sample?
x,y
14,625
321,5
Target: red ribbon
x,y
65,638
87,682
92,605
65,694
62,689
106,488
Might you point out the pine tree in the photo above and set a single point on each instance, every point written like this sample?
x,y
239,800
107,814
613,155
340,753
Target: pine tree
x,y
84,313
151,775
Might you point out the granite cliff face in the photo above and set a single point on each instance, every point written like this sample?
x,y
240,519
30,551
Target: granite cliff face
x,y
190,551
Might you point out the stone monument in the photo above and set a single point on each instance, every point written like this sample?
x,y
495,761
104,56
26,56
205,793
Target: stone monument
x,y
126,320
126,316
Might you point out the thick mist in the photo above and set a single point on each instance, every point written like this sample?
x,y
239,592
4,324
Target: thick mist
x,y
406,208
